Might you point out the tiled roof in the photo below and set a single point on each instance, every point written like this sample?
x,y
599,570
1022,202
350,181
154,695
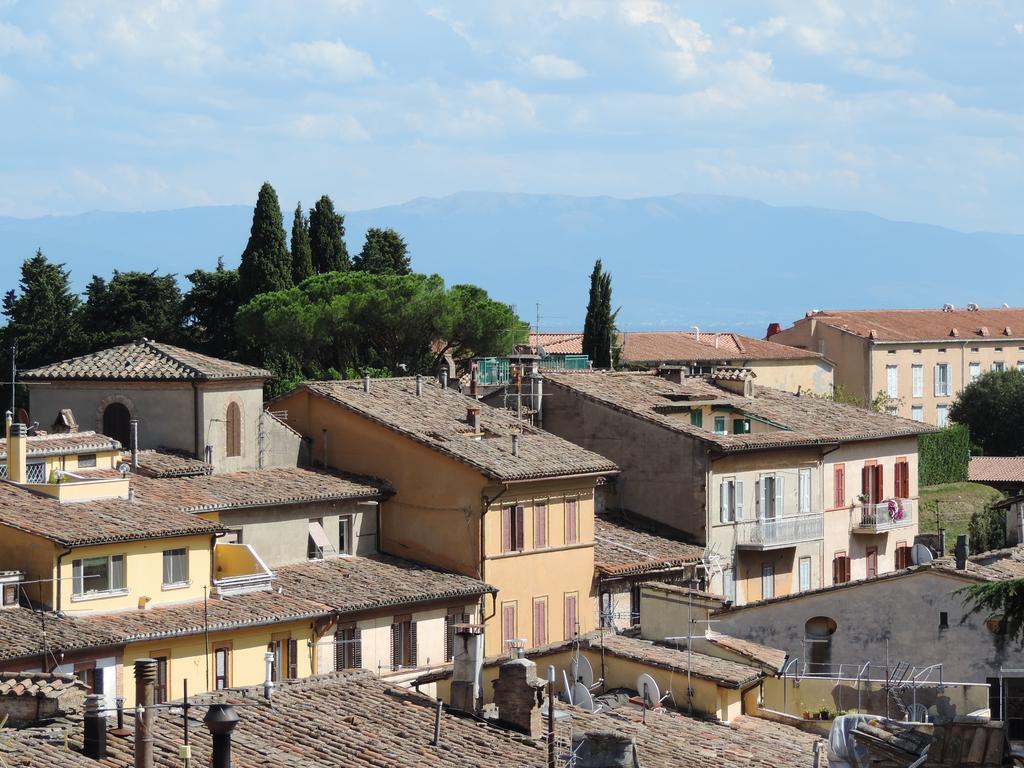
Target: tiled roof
x,y
805,420
63,443
725,673
998,564
351,719
437,419
996,469
378,581
625,548
557,343
770,657
42,685
96,522
926,324
144,361
167,463
255,488
653,347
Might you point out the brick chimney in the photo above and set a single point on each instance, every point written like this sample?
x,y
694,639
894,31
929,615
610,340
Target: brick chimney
x,y
604,749
773,328
17,448
467,672
473,417
518,694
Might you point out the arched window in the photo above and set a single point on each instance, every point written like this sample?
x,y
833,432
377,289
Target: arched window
x,y
233,430
116,418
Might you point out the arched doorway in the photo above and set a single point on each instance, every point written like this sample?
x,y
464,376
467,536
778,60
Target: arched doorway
x,y
116,423
818,644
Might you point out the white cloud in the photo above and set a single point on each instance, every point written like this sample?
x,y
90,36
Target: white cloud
x,y
686,35
460,28
333,59
1019,28
547,66
14,41
343,127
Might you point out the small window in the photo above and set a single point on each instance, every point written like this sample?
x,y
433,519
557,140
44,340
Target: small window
x,y
917,351
839,486
233,431
998,366
35,472
572,522
917,412
571,620
175,567
892,351
805,574
720,425
508,625
871,562
512,529
840,568
902,555
540,526
317,542
804,483
943,620
767,581
941,415
975,349
697,418
160,689
540,621
221,666
348,648
97,575
345,535
741,426
86,460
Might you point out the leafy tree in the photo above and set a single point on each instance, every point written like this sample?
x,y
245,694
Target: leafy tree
x,y
266,264
599,324
42,316
477,325
1004,599
880,403
132,305
987,530
302,256
209,310
384,253
326,238
992,408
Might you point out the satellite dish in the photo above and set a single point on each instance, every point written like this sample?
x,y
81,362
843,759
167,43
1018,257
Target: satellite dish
x,y
917,713
584,672
648,690
920,555
582,698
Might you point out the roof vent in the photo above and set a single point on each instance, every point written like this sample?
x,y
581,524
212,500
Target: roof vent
x,y
972,307
1006,331
948,307
366,382
419,385
515,445
983,331
473,417
954,332
872,334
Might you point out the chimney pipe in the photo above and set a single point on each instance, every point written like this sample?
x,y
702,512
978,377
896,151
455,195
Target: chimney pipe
x,y
221,720
17,447
942,542
208,455
268,682
962,551
366,382
515,445
419,385
135,444
145,699
472,382
444,378
473,417
8,420
95,741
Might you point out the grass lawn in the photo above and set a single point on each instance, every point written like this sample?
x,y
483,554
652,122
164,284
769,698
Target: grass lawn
x,y
955,503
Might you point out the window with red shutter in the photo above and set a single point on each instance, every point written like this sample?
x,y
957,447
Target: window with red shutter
x,y
840,486
871,562
902,555
570,617
508,623
540,526
879,484
902,481
506,529
540,622
519,540
571,522
840,568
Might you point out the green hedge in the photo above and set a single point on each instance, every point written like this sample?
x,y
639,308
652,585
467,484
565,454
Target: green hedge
x,y
943,456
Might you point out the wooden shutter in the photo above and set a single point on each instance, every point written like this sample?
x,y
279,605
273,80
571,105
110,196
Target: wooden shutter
x,y
508,623
758,498
413,659
879,483
872,562
506,529
520,542
540,526
540,629
865,482
449,637
396,645
293,658
570,521
723,502
737,495
778,496
570,617
839,489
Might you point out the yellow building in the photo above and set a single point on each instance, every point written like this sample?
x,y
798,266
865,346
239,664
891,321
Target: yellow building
x,y
475,491
787,493
919,358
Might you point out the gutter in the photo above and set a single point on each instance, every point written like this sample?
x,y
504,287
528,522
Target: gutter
x,y
60,581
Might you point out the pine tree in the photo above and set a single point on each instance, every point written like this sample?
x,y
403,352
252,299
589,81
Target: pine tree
x,y
384,253
43,316
266,264
302,256
599,325
326,238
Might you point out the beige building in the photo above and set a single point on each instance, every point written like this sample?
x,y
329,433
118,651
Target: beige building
x,y
208,408
788,493
919,358
475,491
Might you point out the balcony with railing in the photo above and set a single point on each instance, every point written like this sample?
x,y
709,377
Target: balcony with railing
x,y
884,516
777,532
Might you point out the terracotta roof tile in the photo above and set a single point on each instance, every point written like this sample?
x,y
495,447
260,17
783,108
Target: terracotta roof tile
x,y
63,443
437,419
996,469
804,420
624,547
926,324
654,347
557,343
42,685
762,654
165,463
144,361
378,581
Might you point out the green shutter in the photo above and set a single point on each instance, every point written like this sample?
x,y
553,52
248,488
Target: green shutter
x,y
741,426
697,418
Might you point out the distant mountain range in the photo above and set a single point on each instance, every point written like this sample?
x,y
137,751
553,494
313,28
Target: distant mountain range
x,y
677,261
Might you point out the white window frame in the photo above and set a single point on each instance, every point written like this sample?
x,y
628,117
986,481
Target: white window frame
x,y
998,366
805,583
943,386
892,381
973,371
725,425
917,380
175,583
804,497
777,504
941,415
917,412
345,527
78,588
730,500
767,578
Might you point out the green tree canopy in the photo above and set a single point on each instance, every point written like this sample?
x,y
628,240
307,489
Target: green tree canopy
x,y
992,408
302,255
42,316
355,321
327,238
384,253
132,305
599,324
1004,599
209,310
266,264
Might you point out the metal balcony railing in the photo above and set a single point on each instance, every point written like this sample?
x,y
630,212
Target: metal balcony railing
x,y
884,516
771,533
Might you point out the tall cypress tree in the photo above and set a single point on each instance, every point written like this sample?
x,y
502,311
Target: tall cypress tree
x,y
266,264
42,317
384,253
599,325
326,238
302,256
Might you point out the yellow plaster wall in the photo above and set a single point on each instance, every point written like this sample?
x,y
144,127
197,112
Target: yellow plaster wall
x,y
35,556
790,375
143,573
188,658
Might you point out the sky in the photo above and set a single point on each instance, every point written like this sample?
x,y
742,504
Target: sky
x,y
911,110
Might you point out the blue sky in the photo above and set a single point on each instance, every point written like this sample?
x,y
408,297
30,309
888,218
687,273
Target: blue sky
x,y
913,110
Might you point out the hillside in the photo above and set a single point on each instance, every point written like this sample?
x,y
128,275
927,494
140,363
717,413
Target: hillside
x,y
677,261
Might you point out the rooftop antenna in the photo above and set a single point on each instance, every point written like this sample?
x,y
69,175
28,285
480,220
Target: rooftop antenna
x,y
14,370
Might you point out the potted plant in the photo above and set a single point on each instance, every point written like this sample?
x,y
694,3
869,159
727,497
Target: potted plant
x,y
808,715
825,713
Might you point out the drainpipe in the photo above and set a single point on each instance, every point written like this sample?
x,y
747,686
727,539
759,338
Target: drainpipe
x,y
197,421
57,606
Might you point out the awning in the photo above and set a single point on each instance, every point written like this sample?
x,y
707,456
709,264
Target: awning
x,y
319,535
